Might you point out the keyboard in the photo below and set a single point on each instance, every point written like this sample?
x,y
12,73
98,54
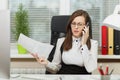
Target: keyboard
x,y
27,71
43,77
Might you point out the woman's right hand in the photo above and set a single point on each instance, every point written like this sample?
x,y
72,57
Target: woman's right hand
x,y
40,60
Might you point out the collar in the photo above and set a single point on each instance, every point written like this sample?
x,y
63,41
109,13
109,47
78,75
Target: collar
x,y
76,39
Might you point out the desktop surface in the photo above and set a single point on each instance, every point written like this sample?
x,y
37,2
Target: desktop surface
x,y
58,77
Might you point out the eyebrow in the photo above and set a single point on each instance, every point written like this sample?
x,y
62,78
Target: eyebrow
x,y
78,22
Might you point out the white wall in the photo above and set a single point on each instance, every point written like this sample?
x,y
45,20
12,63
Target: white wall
x,y
64,7
3,4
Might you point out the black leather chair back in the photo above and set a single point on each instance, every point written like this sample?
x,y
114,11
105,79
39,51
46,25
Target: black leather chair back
x,y
58,27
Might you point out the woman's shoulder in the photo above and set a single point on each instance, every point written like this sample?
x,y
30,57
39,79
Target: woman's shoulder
x,y
93,41
61,39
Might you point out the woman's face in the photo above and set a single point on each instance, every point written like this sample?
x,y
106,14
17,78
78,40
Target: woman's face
x,y
77,25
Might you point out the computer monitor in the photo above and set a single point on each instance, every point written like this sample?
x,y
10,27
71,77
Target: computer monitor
x,y
4,44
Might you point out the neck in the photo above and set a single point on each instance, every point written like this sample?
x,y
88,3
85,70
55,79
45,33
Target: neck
x,y
76,36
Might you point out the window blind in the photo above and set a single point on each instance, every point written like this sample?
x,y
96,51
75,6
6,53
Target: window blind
x,y
40,13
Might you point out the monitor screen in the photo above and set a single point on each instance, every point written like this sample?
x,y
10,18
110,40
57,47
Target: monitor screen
x,y
4,44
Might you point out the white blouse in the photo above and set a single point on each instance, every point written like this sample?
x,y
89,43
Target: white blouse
x,y
77,55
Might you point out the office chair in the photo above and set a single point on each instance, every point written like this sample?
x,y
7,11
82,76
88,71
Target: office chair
x,y
58,30
58,27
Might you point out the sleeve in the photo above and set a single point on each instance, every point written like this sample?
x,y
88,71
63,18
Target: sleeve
x,y
90,56
55,65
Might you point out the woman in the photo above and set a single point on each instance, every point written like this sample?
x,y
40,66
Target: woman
x,y
79,54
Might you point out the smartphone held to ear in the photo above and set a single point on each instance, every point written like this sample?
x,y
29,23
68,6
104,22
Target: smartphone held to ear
x,y
87,24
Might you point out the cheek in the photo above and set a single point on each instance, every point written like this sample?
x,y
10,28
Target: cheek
x,y
80,31
72,30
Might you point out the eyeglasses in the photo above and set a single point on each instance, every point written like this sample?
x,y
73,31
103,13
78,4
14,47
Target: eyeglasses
x,y
79,25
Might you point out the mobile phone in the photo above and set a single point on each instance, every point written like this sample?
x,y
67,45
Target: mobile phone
x,y
87,24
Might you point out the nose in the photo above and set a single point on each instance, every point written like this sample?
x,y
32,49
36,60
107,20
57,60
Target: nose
x,y
76,26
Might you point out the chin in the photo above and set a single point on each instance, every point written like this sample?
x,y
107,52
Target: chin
x,y
77,36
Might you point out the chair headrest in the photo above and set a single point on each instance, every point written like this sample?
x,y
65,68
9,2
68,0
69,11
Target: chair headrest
x,y
59,23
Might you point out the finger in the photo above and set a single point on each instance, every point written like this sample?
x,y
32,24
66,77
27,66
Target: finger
x,y
88,27
86,30
32,54
83,32
36,56
42,60
42,57
39,60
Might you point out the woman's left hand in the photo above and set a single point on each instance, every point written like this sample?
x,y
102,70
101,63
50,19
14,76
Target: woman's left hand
x,y
40,60
85,35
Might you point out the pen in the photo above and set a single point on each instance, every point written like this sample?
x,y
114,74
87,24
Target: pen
x,y
101,71
100,66
111,71
106,73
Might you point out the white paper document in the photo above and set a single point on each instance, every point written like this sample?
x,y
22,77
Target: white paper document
x,y
33,46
